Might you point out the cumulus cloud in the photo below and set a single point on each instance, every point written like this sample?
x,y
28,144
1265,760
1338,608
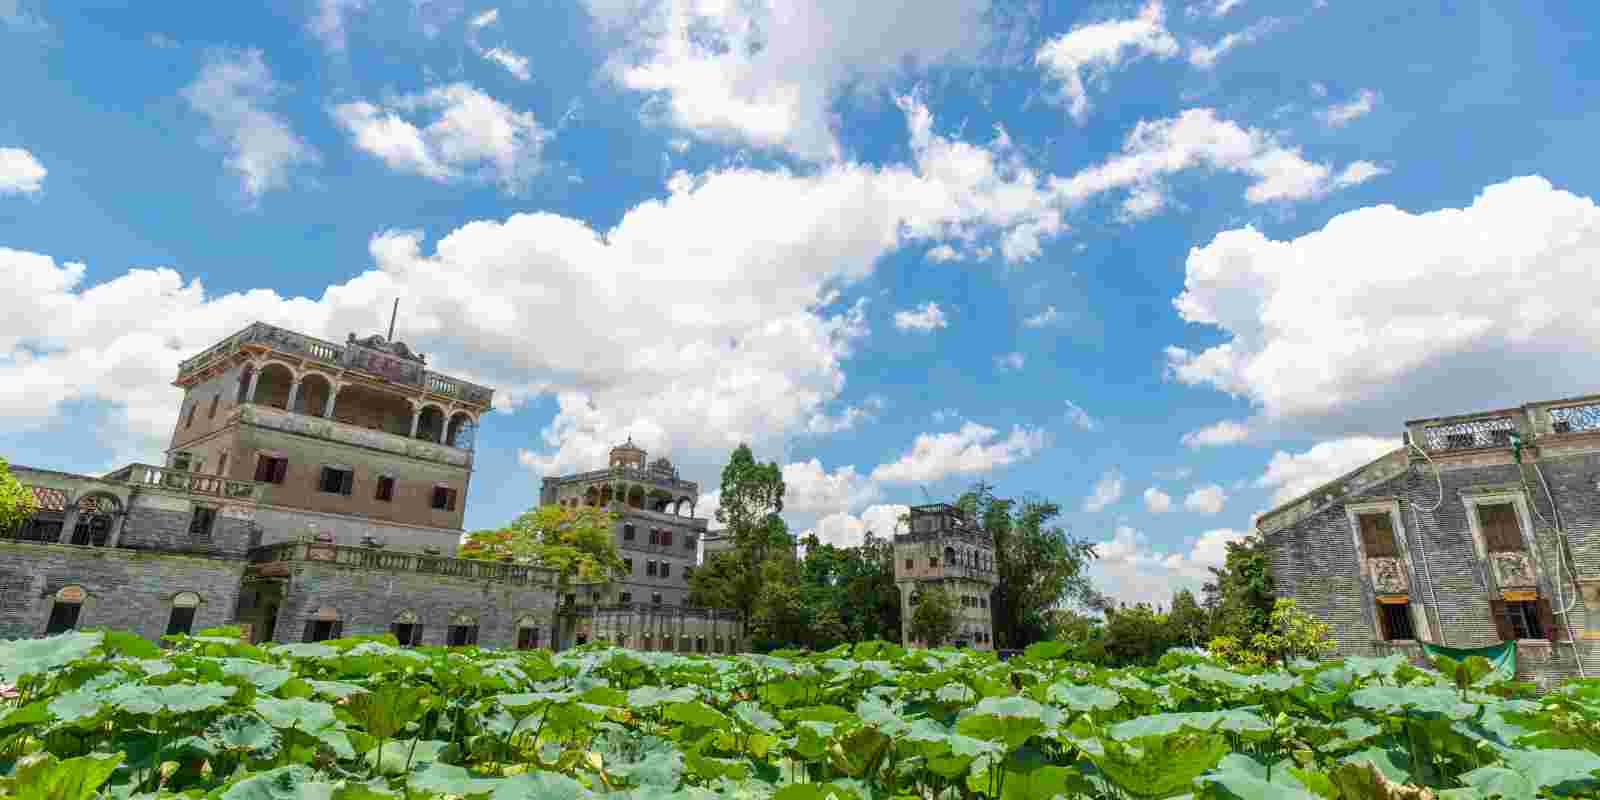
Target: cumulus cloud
x,y
848,530
1384,315
1208,499
1107,490
1218,433
1338,115
1130,569
513,62
767,73
1080,418
924,318
1157,501
971,450
20,172
809,488
329,22
1214,8
1291,475
1089,52
1206,56
233,92
1049,316
472,136
1199,138
1009,362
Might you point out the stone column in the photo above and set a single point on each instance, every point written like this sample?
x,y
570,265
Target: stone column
x,y
416,419
116,529
327,408
255,379
294,393
69,522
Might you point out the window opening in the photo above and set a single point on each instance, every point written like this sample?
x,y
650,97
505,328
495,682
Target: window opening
x,y
204,519
1502,532
336,480
444,498
271,470
1523,617
1396,619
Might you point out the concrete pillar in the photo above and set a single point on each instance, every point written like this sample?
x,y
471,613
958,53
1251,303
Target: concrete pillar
x,y
255,379
327,409
69,522
294,392
116,529
416,419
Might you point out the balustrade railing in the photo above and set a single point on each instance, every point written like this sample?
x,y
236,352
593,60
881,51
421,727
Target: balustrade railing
x,y
645,475
401,561
650,609
185,481
1470,434
1575,419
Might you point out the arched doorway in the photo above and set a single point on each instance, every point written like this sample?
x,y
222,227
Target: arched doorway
x,y
462,431
96,514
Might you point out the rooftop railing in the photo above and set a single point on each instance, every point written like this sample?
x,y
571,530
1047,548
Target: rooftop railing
x,y
185,481
645,475
403,371
372,558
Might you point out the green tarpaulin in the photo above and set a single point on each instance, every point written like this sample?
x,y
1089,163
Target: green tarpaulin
x,y
1503,656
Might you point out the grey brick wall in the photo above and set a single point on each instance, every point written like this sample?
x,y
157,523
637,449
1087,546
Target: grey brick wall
x,y
127,590
154,528
368,601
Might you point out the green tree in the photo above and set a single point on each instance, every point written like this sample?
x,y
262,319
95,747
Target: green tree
x,y
16,500
572,541
719,581
1040,567
1239,597
933,618
778,615
1187,623
1135,635
749,508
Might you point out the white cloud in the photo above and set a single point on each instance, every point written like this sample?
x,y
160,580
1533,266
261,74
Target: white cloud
x,y
1337,115
810,489
1214,8
1107,490
925,318
1198,138
1049,316
1206,57
1080,418
483,19
472,135
1208,499
1385,315
847,530
1010,362
1218,433
515,64
767,73
972,450
1089,52
1157,501
20,172
232,93
1294,474
330,20
943,253
1130,570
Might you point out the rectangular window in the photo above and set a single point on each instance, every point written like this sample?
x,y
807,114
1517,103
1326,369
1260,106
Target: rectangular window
x,y
933,563
1502,533
650,568
909,564
655,598
688,542
63,618
444,498
211,414
203,520
181,621
463,635
1522,616
1377,535
627,533
192,407
271,470
527,638
222,464
666,570
572,599
336,480
625,597
321,630
666,538
655,536
409,634
627,565
1395,619
385,488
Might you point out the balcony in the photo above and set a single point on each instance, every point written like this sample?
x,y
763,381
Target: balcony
x,y
352,356
643,476
274,560
320,427
650,609
191,482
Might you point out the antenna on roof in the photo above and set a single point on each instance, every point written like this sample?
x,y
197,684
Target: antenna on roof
x,y
392,315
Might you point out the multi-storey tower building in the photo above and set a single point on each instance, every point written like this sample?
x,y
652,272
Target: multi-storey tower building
x,y
360,440
944,547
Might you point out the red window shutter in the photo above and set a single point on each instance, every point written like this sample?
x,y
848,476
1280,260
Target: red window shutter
x,y
1502,626
263,469
280,469
668,542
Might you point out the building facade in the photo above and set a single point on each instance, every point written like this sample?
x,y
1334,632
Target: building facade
x,y
1479,529
944,547
315,490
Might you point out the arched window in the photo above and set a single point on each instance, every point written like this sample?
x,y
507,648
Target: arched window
x,y
950,556
323,625
527,633
94,521
65,610
244,384
463,631
406,629
181,621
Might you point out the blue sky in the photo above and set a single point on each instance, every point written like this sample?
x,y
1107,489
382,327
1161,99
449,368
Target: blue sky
x,y
1164,263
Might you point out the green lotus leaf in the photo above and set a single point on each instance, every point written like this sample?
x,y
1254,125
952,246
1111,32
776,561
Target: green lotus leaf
x,y
241,732
19,657
751,714
1564,771
1414,699
1500,782
539,784
1045,651
386,710
337,690
294,782
449,779
392,757
649,696
1394,764
1245,778
1010,719
696,713
183,698
49,778
297,713
1161,766
266,677
955,694
299,650
78,704
1083,697
1162,724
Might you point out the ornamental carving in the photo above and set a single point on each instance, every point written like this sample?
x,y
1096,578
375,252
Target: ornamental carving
x,y
1512,569
1389,576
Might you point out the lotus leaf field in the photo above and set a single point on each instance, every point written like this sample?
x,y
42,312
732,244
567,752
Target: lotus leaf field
x,y
106,714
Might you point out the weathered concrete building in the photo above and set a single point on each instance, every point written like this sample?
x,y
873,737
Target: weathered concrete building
x,y
315,490
943,547
1481,528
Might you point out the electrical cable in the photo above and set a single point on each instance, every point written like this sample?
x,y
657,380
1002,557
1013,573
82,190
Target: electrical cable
x,y
1561,547
1422,542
